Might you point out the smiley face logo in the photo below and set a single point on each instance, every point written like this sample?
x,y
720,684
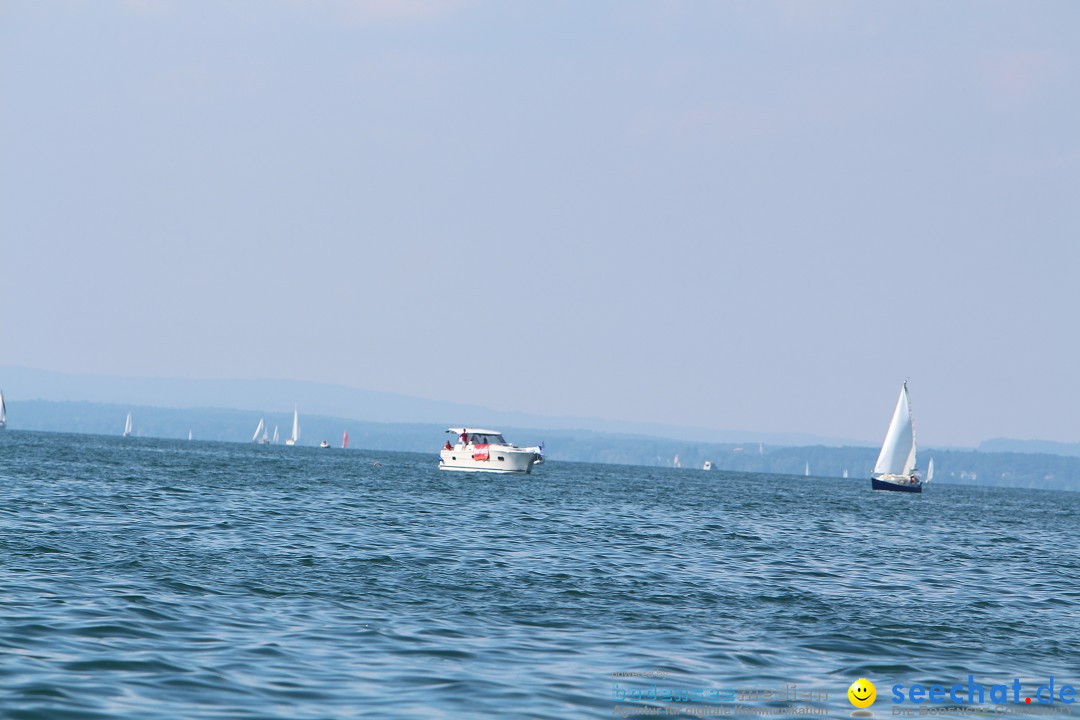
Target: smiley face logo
x,y
862,693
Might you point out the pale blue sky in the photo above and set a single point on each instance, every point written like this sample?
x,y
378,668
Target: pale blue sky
x,y
731,215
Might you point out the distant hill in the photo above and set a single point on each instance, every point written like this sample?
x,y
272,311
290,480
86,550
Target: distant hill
x,y
973,467
280,396
1044,447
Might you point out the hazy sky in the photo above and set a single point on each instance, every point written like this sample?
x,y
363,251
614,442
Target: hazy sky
x,y
728,214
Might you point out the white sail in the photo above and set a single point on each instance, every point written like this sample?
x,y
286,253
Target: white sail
x,y
806,471
295,437
3,411
127,425
259,431
898,451
275,435
930,470
188,434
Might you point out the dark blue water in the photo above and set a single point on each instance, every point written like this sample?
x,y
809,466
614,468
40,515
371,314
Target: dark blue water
x,y
159,579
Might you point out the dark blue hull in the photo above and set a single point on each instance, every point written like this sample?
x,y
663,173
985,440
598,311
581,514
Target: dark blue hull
x,y
876,484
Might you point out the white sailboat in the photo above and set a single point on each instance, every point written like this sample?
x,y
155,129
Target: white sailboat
x,y
3,411
276,437
806,471
260,433
895,466
929,472
295,438
127,425
189,434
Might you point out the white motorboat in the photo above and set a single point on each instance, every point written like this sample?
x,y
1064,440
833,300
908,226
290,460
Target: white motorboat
x,y
324,444
476,450
707,465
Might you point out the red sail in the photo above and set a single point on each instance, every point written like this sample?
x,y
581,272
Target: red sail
x,y
345,440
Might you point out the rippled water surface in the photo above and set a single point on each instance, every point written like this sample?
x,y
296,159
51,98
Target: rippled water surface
x,y
160,579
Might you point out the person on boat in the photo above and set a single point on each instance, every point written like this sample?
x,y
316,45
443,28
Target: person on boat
x,y
464,437
448,446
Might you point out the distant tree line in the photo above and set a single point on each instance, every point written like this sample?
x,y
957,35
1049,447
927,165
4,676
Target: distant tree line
x,y
975,467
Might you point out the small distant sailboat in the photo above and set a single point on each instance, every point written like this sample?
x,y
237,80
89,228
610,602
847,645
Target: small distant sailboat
x,y
260,435
189,434
845,473
295,438
3,411
895,467
345,440
929,472
127,425
806,471
276,438
675,462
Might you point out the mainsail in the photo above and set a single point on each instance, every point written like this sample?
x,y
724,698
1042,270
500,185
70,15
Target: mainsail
x,y
295,437
259,431
127,425
3,411
898,451
345,440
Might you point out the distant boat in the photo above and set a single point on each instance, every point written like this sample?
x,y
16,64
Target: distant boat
x,y
3,411
127,425
675,462
276,439
295,438
260,435
845,473
707,465
929,472
188,434
806,472
895,466
345,440
324,444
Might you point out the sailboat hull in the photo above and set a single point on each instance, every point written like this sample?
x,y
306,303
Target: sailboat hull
x,y
876,484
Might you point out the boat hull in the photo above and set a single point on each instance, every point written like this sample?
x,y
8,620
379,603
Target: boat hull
x,y
499,461
876,484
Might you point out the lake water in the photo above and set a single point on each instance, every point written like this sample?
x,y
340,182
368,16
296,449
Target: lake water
x,y
172,579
